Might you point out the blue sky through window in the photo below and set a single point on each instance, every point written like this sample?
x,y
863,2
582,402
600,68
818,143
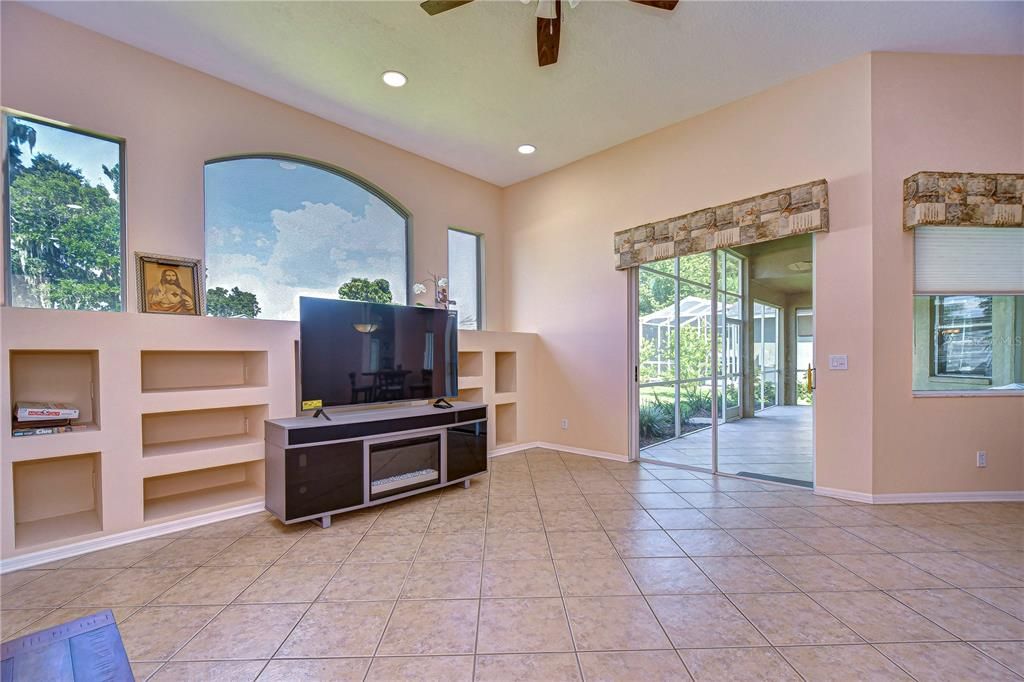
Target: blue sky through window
x,y
85,153
283,229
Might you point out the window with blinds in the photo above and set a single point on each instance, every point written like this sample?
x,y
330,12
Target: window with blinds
x,y
968,309
969,260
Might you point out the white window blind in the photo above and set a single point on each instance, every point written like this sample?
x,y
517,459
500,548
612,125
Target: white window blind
x,y
969,260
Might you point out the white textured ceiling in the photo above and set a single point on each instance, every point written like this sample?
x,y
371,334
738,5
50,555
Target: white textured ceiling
x,y
475,92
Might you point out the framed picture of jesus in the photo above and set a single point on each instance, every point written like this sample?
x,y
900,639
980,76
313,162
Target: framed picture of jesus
x,y
168,285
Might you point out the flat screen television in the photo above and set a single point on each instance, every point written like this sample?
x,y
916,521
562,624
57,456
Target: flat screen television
x,y
354,353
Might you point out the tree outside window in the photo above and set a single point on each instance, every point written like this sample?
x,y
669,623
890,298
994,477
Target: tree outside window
x,y
65,217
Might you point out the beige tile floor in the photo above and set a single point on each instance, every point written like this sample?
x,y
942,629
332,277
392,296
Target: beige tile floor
x,y
561,567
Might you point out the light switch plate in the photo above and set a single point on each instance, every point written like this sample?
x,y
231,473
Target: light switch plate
x,y
837,362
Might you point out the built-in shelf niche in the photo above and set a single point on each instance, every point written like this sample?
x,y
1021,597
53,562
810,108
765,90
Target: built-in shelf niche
x,y
199,370
505,424
193,492
471,395
56,499
505,372
168,433
471,363
58,376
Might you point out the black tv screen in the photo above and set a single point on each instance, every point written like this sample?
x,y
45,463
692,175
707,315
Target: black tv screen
x,y
356,353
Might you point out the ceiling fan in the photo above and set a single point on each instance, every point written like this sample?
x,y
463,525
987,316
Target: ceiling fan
x,y
549,20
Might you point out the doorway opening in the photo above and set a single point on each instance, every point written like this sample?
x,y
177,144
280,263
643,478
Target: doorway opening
x,y
725,361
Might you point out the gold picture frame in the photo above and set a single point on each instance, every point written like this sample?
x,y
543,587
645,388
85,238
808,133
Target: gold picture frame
x,y
168,285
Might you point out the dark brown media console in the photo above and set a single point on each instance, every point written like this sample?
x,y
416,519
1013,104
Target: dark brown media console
x,y
361,458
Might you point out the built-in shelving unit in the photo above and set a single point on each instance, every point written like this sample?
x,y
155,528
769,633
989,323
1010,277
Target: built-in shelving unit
x,y
505,424
471,364
56,499
504,372
169,433
471,395
164,370
58,376
180,433
202,490
496,368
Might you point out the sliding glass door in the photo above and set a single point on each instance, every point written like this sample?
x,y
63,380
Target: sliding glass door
x,y
725,339
675,310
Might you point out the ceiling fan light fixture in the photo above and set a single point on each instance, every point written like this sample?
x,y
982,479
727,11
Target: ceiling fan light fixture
x,y
395,79
526,149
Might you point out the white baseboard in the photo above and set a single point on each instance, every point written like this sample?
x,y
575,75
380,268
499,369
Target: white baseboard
x,y
923,498
852,495
965,496
45,556
583,451
519,447
509,449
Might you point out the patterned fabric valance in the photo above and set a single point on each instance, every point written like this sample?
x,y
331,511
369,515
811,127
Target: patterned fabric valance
x,y
784,212
963,200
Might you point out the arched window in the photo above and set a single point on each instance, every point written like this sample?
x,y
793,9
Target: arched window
x,y
278,228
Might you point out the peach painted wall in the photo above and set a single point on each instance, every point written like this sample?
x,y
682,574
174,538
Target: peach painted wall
x,y
863,125
175,118
560,278
936,112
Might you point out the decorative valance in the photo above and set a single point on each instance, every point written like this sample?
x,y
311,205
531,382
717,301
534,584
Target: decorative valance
x,y
963,200
784,212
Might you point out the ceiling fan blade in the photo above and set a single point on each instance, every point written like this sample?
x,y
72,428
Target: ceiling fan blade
x,y
548,34
433,7
659,4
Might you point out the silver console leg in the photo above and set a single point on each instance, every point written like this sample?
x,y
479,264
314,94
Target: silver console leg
x,y
465,484
324,521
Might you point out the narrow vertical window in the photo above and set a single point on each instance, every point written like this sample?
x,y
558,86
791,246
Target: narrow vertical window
x,y
464,277
64,217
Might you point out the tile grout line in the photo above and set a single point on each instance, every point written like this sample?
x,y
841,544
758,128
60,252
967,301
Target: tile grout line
x,y
401,588
483,567
641,593
170,658
311,603
554,569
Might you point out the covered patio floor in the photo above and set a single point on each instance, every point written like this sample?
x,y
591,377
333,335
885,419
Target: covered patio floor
x,y
778,441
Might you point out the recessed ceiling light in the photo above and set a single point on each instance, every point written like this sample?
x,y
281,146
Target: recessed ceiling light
x,y
527,149
395,79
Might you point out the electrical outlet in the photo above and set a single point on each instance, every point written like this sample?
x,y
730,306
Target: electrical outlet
x,y
565,424
982,459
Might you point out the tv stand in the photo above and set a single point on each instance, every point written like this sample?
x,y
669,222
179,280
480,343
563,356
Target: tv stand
x,y
442,404
321,412
364,458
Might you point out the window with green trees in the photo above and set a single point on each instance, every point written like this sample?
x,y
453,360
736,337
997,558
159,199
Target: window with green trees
x,y
64,217
278,228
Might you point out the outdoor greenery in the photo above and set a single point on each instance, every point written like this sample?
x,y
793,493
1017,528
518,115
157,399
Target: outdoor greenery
x,y
65,232
362,289
803,394
695,401
769,391
656,421
235,303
